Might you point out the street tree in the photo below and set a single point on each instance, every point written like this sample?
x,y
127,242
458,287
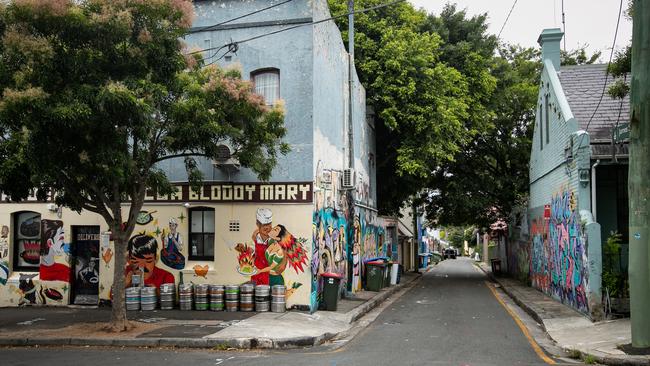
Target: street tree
x,y
97,93
422,104
489,177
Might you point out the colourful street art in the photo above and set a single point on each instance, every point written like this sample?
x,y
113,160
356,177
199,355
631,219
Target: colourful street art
x,y
275,249
558,259
54,252
341,243
4,255
172,241
143,253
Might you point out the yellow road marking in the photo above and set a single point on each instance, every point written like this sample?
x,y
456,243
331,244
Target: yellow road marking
x,y
521,326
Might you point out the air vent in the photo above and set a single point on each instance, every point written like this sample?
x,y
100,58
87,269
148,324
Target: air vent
x,y
347,180
233,225
223,153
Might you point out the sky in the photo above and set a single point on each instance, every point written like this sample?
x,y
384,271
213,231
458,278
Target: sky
x,y
588,22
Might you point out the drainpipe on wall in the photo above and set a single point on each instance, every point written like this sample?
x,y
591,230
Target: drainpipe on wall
x,y
593,190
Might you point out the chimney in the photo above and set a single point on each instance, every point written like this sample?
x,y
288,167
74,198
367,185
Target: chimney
x,y
550,42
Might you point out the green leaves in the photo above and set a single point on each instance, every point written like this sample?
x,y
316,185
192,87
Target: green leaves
x,y
97,93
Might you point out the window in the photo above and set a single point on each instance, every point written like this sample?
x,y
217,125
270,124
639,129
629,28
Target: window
x,y
546,118
202,234
267,84
541,129
27,240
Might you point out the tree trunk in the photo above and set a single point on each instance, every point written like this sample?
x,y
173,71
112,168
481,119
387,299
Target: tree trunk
x,y
119,321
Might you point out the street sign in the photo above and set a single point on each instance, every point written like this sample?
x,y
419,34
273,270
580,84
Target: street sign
x,y
621,132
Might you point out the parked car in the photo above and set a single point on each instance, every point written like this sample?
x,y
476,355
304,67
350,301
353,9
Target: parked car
x,y
450,253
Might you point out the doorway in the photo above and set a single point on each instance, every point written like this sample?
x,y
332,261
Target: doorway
x,y
85,260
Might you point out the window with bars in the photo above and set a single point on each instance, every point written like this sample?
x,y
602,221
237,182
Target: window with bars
x,y
201,234
267,84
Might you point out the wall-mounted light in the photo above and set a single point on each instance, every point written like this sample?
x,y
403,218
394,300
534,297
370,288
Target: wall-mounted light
x,y
583,176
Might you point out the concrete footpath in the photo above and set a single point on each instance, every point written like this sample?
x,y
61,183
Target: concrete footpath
x,y
571,330
83,326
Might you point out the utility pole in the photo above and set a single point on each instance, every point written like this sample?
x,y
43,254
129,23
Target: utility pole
x,y
350,83
639,177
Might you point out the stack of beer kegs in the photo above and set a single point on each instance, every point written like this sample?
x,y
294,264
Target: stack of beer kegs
x,y
232,297
201,296
133,298
167,295
246,294
262,297
185,296
216,297
148,299
278,302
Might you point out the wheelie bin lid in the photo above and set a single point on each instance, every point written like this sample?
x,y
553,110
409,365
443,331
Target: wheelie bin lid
x,y
332,275
378,260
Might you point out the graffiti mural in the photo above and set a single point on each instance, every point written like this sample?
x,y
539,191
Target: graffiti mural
x,y
273,250
54,252
143,255
329,231
172,241
558,258
27,289
4,255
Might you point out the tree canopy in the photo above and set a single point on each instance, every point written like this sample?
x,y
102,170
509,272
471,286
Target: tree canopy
x,y
469,160
96,93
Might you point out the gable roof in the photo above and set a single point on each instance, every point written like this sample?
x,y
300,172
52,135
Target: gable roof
x,y
583,86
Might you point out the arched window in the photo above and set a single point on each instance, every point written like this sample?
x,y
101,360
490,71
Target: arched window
x,y
27,240
267,84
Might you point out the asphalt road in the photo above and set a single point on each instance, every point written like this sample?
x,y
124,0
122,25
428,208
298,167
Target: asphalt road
x,y
450,317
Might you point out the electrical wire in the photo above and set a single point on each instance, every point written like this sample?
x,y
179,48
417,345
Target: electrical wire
x,y
508,17
211,27
300,25
611,55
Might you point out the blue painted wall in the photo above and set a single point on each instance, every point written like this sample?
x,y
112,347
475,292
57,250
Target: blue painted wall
x,y
291,52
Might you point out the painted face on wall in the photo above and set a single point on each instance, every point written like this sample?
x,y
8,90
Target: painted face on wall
x,y
147,261
264,230
57,242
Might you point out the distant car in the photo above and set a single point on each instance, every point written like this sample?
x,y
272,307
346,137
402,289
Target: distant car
x,y
450,253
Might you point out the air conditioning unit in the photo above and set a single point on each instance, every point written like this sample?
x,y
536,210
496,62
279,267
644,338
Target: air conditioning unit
x,y
347,180
224,158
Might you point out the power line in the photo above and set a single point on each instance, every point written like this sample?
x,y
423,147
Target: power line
x,y
300,25
211,27
611,55
563,26
508,17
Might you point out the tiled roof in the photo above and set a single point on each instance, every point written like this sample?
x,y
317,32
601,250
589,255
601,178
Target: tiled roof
x,y
583,86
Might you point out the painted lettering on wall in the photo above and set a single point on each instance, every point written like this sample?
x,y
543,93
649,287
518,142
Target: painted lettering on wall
x,y
244,192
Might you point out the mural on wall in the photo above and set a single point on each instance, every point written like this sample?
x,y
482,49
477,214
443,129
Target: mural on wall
x,y
4,254
54,252
329,231
142,258
558,259
28,238
275,249
342,243
172,241
201,270
27,289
